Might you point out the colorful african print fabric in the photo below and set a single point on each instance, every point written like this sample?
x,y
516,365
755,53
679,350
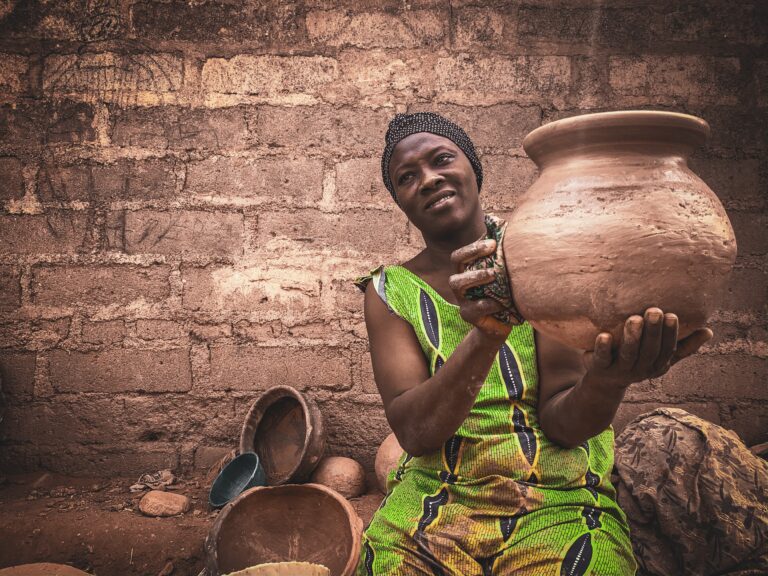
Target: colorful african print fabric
x,y
499,498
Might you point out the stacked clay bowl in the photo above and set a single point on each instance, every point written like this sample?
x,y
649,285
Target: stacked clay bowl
x,y
290,523
286,431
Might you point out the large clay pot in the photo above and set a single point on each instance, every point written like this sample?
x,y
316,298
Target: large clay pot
x,y
616,223
289,523
387,457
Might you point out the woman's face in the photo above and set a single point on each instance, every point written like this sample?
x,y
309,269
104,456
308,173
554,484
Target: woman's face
x,y
434,184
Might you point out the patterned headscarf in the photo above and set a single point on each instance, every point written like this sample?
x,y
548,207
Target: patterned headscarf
x,y
403,125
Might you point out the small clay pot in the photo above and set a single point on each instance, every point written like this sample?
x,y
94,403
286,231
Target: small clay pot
x,y
616,223
286,430
289,523
387,458
284,569
344,475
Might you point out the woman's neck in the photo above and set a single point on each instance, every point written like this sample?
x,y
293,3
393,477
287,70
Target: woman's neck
x,y
438,250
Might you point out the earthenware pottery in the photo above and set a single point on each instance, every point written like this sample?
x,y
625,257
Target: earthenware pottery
x,y
289,523
387,458
286,430
243,472
616,223
42,569
284,569
344,475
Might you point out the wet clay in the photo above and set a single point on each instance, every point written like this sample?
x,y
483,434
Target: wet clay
x,y
616,223
294,522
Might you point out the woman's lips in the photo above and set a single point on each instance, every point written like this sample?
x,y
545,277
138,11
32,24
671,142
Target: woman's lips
x,y
442,199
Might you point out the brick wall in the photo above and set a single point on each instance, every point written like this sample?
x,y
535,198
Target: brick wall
x,y
187,189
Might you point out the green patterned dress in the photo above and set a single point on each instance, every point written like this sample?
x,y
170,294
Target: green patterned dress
x,y
499,498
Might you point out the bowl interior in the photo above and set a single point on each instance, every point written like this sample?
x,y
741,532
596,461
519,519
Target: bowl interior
x,y
280,439
291,523
234,478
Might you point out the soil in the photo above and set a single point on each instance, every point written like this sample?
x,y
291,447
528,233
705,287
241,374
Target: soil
x,y
94,524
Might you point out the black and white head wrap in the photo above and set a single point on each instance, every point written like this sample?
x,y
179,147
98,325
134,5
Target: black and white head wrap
x,y
403,125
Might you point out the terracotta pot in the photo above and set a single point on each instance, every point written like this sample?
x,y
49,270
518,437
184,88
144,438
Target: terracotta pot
x,y
616,223
344,475
284,569
286,431
290,523
42,569
387,458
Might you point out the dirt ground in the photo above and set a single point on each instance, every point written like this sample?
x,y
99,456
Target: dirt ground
x,y
94,524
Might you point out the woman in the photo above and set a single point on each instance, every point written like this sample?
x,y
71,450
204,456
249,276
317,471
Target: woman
x,y
507,438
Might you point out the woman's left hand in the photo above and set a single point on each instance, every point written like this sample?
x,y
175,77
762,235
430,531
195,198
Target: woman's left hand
x,y
648,348
477,312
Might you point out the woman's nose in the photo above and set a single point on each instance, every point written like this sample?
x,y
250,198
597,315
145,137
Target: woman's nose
x,y
430,179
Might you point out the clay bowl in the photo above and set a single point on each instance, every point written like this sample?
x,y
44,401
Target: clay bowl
x,y
344,475
243,472
286,431
290,523
42,569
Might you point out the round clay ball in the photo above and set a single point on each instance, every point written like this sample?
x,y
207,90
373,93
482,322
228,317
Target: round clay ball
x,y
386,460
344,475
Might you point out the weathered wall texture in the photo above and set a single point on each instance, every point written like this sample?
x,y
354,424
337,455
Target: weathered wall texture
x,y
187,189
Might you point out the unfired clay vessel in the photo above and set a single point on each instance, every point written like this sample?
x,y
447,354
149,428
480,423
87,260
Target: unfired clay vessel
x,y
387,458
344,475
616,223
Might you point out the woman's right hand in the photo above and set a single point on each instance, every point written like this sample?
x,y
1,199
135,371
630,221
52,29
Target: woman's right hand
x,y
477,312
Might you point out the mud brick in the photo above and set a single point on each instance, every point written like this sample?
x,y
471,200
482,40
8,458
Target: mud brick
x,y
751,232
737,131
265,23
483,81
62,20
718,376
500,127
107,332
58,232
181,418
124,79
17,373
350,423
160,330
718,23
275,79
359,181
628,412
505,181
83,422
357,230
99,285
747,290
180,128
13,74
70,123
10,288
298,179
320,128
254,368
761,80
121,370
36,333
135,180
407,29
483,28
287,294
583,25
63,183
691,80
749,421
206,456
735,182
176,232
109,459
20,125
365,380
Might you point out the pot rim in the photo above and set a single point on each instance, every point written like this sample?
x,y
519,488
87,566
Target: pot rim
x,y
588,131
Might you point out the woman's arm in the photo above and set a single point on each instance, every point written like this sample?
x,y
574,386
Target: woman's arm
x,y
579,393
423,411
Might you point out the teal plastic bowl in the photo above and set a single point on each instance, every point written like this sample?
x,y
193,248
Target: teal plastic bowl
x,y
242,473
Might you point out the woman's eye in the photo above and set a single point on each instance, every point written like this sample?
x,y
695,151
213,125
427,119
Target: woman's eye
x,y
404,178
443,158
